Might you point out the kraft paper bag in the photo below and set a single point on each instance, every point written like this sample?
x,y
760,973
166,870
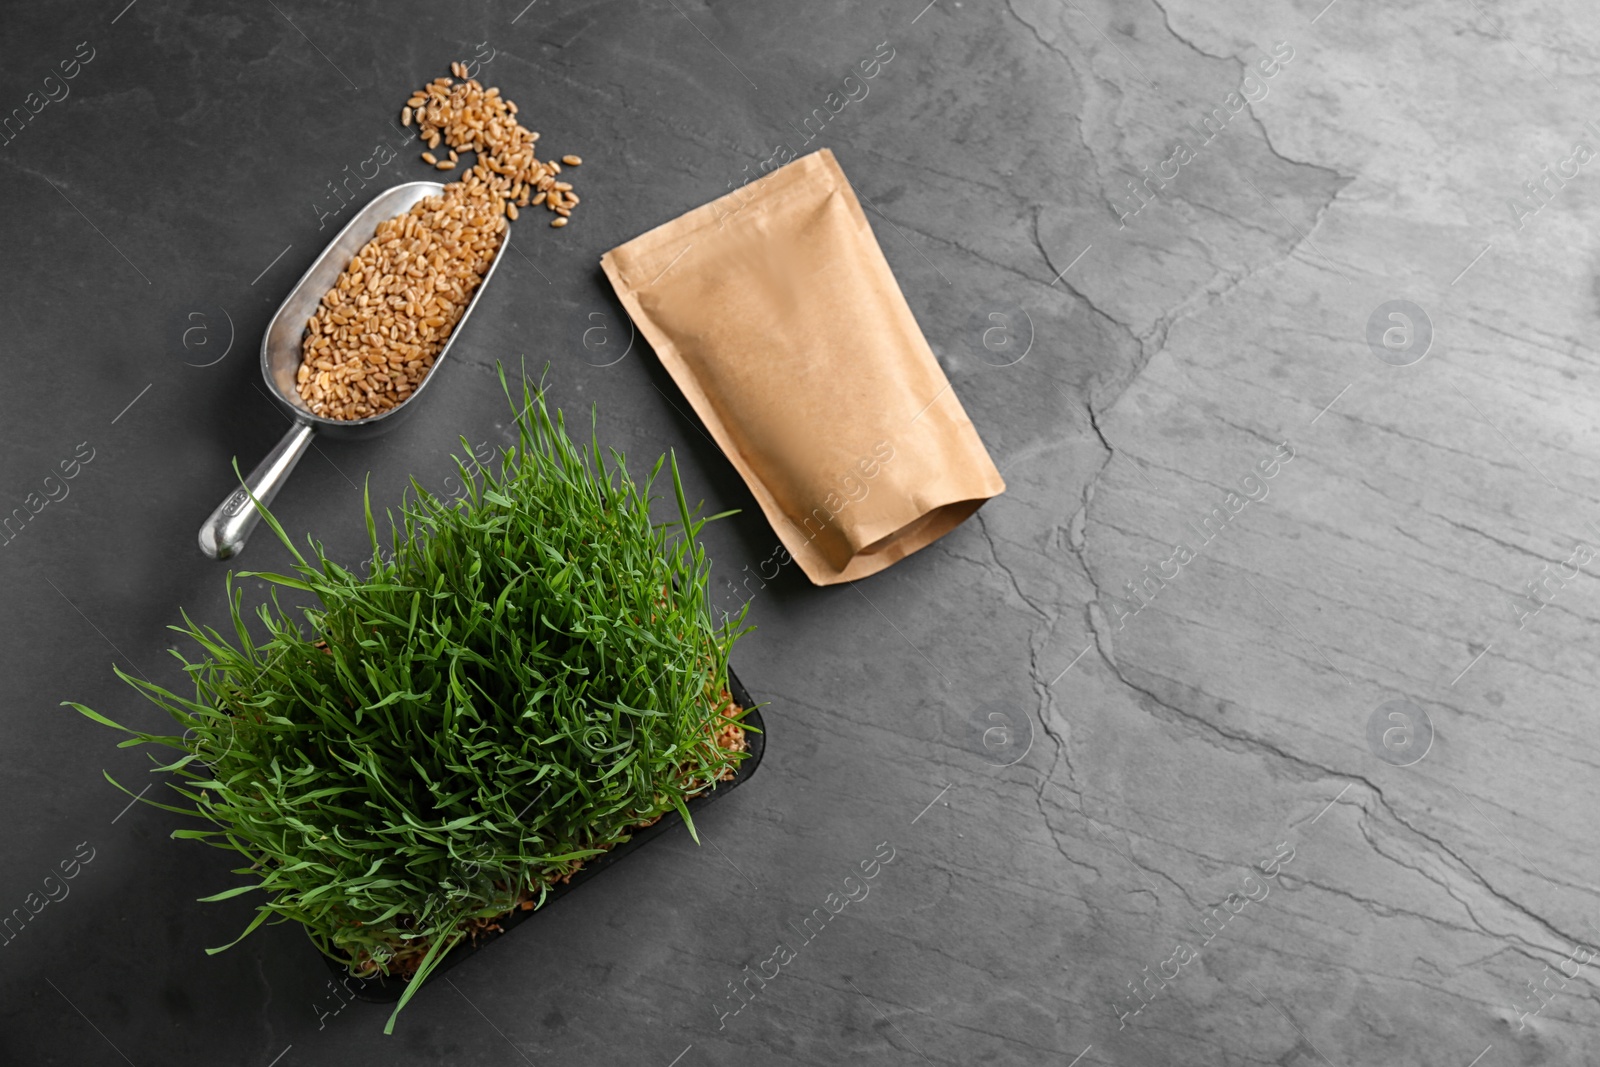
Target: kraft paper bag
x,y
775,312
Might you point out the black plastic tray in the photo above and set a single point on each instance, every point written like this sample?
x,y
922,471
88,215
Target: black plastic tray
x,y
382,990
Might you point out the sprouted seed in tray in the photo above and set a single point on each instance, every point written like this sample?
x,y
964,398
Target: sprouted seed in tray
x,y
380,328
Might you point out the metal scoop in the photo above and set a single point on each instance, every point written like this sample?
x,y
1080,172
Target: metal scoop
x,y
224,533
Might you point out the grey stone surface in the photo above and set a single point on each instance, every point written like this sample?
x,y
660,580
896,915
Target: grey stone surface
x,y
1072,788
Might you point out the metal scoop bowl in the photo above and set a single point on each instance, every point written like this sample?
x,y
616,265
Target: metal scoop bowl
x,y
224,533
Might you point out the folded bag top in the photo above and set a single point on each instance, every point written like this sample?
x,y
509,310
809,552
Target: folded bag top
x,y
775,312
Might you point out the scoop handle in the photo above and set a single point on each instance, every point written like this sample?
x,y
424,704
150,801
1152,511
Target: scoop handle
x,y
224,533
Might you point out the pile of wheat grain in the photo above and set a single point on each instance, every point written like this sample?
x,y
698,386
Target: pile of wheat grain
x,y
380,328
